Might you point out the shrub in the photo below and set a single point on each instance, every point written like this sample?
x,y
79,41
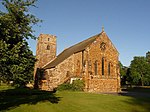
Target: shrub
x,y
77,85
65,86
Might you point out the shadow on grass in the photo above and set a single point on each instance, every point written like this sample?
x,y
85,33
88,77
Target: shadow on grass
x,y
139,96
12,98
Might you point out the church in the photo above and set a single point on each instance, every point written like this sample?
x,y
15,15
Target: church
x,y
94,60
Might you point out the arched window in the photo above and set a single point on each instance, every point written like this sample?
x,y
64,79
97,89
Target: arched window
x,y
96,67
90,65
103,66
109,68
48,47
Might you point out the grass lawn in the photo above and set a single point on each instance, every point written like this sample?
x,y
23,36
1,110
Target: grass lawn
x,y
28,100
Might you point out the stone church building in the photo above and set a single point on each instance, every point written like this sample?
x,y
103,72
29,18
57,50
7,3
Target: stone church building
x,y
94,60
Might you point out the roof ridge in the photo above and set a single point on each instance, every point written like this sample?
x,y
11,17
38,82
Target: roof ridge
x,y
71,50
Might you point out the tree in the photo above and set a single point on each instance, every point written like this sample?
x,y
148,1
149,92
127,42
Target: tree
x,y
125,74
140,71
148,56
16,58
122,69
122,73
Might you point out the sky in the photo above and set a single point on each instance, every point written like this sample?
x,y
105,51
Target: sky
x,y
126,22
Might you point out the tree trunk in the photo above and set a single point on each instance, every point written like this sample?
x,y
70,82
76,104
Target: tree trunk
x,y
142,82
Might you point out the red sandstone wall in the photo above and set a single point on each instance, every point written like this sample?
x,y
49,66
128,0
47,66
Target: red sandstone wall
x,y
70,67
107,82
103,85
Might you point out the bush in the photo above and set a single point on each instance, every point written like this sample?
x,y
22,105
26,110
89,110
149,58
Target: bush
x,y
65,86
77,85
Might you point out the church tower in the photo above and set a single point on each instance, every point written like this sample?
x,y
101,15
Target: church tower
x,y
45,49
45,52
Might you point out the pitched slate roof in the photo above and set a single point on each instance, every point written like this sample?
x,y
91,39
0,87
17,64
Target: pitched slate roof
x,y
69,51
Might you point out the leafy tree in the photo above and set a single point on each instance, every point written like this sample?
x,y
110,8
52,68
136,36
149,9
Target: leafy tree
x,y
122,69
140,71
148,56
16,58
122,73
125,74
128,76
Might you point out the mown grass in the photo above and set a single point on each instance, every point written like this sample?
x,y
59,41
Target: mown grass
x,y
29,100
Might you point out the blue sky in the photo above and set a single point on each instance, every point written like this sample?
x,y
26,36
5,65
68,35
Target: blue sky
x,y
126,22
